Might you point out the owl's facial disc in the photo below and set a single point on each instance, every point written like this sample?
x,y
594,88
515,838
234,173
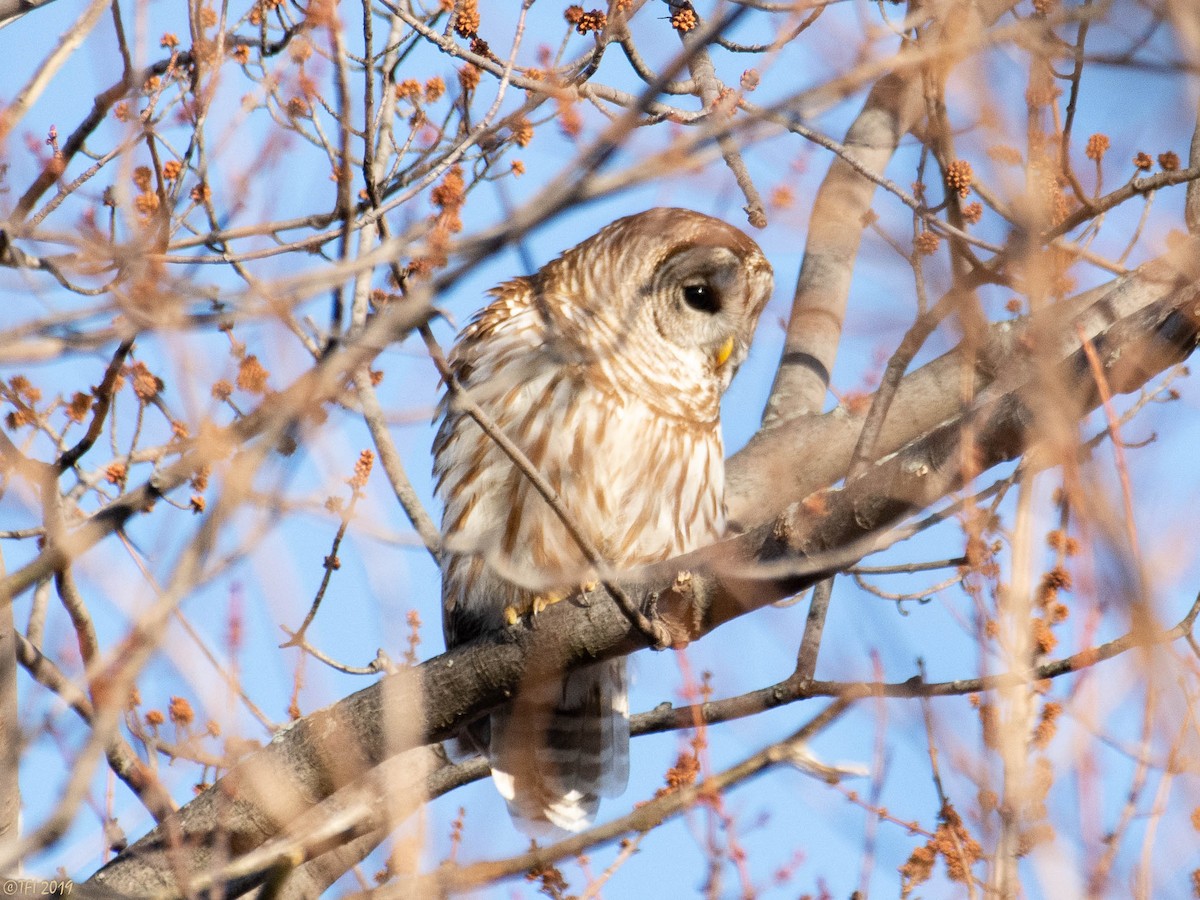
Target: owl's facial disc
x,y
704,285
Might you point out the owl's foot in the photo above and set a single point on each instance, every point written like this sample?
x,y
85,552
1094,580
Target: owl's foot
x,y
540,602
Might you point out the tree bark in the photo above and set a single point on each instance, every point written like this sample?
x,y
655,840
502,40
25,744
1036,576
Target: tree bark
x,y
1140,325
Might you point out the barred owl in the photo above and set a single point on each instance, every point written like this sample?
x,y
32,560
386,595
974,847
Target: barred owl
x,y
606,368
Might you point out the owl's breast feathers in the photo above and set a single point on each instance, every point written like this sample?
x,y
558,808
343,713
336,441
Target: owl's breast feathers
x,y
643,485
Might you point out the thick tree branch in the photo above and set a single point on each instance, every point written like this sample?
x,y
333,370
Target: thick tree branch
x,y
763,477
891,110
322,844
1141,325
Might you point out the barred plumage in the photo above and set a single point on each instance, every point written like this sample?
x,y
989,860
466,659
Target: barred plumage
x,y
606,368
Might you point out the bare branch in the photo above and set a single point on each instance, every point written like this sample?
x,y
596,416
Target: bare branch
x,y
11,10
1139,337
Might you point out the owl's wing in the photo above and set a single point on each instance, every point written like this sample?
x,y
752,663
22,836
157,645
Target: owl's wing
x,y
490,360
511,322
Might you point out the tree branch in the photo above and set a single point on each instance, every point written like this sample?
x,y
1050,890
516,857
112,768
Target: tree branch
x,y
11,10
1141,325
892,109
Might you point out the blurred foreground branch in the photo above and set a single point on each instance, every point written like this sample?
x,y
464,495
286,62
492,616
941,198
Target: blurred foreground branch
x,y
1139,325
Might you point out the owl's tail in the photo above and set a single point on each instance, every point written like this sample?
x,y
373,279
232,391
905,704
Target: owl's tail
x,y
560,746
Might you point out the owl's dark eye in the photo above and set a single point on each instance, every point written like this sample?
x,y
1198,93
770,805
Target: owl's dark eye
x,y
701,297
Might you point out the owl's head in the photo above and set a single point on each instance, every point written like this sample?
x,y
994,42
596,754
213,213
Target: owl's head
x,y
676,287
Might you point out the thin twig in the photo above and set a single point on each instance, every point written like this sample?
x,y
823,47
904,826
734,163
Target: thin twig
x,y
641,820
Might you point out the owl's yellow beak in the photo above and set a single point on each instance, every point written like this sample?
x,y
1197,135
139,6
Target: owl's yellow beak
x,y
724,352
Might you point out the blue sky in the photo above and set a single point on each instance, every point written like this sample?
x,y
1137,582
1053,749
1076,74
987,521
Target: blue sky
x,y
783,819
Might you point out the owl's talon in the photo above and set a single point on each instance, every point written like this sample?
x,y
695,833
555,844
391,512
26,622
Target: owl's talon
x,y
540,602
537,605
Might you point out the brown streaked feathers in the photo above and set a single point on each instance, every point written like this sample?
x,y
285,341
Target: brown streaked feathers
x,y
606,368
